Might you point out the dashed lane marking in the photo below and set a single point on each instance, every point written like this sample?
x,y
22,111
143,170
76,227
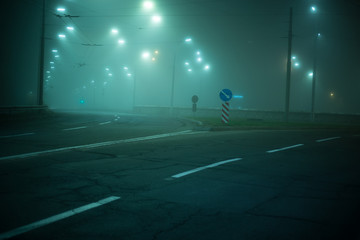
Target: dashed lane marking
x,y
327,139
103,123
55,218
284,148
75,128
179,175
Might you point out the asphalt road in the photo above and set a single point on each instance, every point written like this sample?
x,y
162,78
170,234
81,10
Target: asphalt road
x,y
136,177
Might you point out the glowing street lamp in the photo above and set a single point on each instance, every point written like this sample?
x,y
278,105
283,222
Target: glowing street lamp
x,y
148,5
61,9
145,55
121,41
62,36
70,28
156,19
114,31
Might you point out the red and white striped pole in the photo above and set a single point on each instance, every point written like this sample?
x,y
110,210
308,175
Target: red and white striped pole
x,y
225,112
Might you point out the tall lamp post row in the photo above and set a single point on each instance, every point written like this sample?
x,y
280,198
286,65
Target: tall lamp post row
x,y
288,71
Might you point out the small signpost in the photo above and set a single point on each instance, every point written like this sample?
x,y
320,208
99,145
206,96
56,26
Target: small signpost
x,y
225,95
194,99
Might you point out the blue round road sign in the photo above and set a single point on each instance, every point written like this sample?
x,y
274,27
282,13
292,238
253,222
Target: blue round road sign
x,y
225,95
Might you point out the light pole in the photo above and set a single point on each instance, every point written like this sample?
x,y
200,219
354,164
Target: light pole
x,y
314,73
146,56
40,94
288,70
187,40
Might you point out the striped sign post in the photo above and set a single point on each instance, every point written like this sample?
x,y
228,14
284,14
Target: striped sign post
x,y
225,112
225,95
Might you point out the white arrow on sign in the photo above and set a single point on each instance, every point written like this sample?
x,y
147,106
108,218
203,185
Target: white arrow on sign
x,y
226,95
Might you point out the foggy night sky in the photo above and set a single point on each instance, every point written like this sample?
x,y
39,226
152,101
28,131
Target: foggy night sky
x,y
243,42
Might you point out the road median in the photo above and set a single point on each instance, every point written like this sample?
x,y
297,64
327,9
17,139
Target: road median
x,y
215,124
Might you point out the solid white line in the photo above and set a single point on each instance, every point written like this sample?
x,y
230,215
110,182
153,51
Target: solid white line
x,y
327,139
103,123
179,175
75,128
101,144
284,148
17,135
58,217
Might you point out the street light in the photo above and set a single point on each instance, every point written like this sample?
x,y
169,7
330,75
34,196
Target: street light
x,y
145,55
156,19
114,31
187,40
314,73
148,5
61,9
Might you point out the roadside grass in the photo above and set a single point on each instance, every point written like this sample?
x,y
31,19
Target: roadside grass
x,y
240,123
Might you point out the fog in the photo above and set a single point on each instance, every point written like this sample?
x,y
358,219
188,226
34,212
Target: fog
x,y
243,46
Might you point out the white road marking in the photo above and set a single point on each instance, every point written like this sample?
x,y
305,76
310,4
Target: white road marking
x,y
55,218
284,148
17,135
75,128
100,144
179,175
103,123
327,139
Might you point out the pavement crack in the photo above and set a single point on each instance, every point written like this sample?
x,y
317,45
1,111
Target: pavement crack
x,y
110,155
176,225
286,217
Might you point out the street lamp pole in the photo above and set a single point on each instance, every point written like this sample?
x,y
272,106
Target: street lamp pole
x,y
40,93
134,89
314,76
314,79
173,86
288,71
